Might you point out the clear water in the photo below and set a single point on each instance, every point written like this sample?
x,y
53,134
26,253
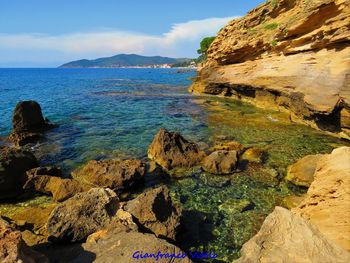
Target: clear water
x,y
114,113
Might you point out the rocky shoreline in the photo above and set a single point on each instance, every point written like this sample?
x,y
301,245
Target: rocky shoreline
x,y
286,55
104,212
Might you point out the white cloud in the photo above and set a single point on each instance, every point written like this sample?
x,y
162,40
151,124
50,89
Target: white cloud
x,y
181,40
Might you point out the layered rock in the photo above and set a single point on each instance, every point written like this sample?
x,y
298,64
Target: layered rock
x,y
113,174
302,172
28,123
83,214
155,211
327,203
286,237
289,55
13,249
221,162
13,166
170,150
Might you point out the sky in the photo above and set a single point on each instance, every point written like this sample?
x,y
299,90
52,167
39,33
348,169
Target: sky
x,y
48,33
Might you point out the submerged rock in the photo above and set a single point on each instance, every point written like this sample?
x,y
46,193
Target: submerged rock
x,y
221,162
83,214
255,155
232,206
302,172
170,149
113,174
327,202
13,166
229,146
14,249
285,237
28,123
155,211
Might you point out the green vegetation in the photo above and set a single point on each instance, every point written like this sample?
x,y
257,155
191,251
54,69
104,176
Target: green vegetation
x,y
273,43
252,30
204,46
274,3
271,26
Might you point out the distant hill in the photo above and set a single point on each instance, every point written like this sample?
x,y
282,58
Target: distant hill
x,y
124,60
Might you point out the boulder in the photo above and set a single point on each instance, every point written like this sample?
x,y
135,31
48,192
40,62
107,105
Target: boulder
x,y
13,166
302,172
155,211
13,249
124,247
327,202
254,155
60,189
28,123
286,237
170,149
113,174
83,214
221,162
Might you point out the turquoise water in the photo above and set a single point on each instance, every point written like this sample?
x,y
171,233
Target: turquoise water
x,y
101,112
114,113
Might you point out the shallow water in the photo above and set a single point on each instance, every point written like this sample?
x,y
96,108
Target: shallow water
x,y
109,113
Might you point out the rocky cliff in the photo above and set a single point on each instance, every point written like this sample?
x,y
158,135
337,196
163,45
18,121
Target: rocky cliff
x,y
291,55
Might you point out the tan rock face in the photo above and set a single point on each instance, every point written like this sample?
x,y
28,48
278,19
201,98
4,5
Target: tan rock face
x,y
286,237
288,55
302,172
114,174
327,204
221,162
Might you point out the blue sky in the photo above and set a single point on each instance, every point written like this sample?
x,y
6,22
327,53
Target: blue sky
x,y
47,33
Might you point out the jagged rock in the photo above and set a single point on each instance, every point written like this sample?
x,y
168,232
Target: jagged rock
x,y
170,150
302,172
327,203
13,249
286,237
155,211
60,189
283,55
45,170
124,247
255,155
28,123
113,174
13,166
83,214
221,162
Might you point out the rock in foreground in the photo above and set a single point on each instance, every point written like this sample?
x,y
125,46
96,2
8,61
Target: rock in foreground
x,y
327,202
170,150
13,166
14,250
82,215
221,162
302,172
285,237
113,174
125,247
28,123
155,211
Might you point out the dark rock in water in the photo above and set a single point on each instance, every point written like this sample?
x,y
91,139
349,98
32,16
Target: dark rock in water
x,y
45,180
170,149
28,123
13,166
113,174
155,211
221,162
83,214
14,249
